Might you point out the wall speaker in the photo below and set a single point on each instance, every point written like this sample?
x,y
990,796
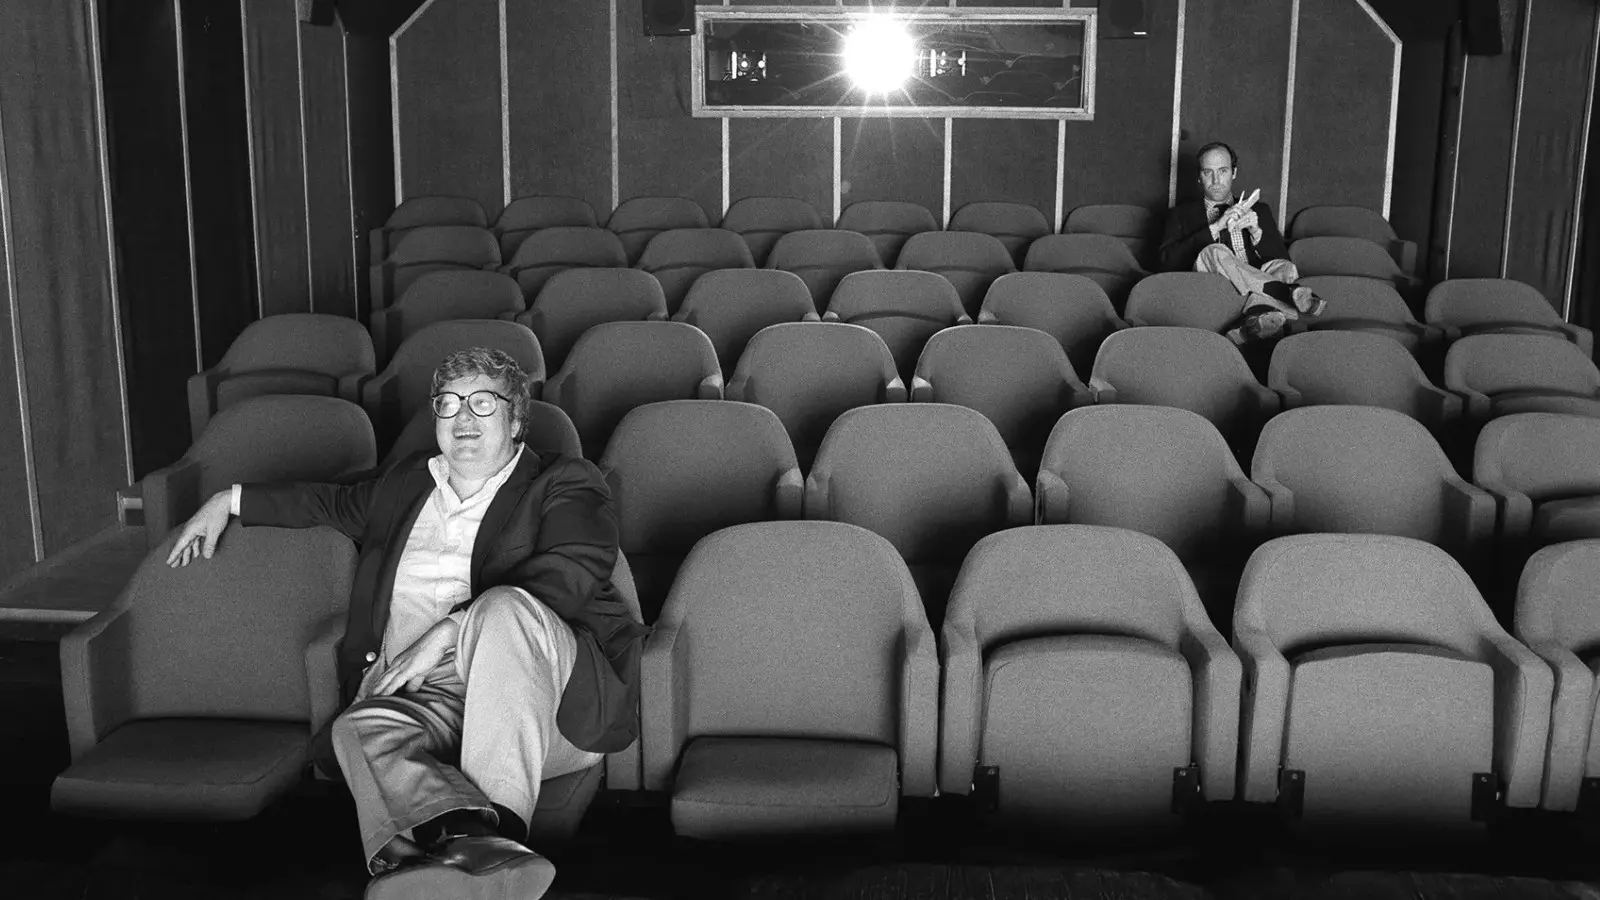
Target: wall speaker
x,y
668,17
316,12
1480,21
1124,19
380,18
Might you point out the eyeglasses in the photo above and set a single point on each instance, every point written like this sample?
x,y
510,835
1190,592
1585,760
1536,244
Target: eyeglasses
x,y
447,404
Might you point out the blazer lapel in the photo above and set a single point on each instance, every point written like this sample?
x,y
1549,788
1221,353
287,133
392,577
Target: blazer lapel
x,y
499,512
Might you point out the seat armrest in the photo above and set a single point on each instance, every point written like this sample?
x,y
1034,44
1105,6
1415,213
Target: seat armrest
x,y
919,711
894,391
959,713
94,676
383,324
1019,502
817,504
737,389
1249,505
921,390
1264,707
1452,333
1102,390
1515,509
790,494
811,317
381,278
1471,511
1404,254
1053,504
1579,335
963,319
664,678
830,316
656,316
171,494
1291,396
1268,403
710,387
1476,405
985,317
1136,321
350,385
202,389
1523,686
322,670
1449,405
1280,502
378,244
1218,675
1570,718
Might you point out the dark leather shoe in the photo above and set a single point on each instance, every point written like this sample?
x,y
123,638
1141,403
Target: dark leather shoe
x,y
469,868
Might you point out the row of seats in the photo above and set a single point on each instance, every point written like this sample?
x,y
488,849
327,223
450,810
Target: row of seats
x,y
760,221
821,257
794,687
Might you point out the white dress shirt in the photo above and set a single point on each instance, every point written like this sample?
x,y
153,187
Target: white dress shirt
x,y
435,568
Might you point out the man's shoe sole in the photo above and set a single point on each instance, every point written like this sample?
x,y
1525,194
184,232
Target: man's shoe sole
x,y
519,878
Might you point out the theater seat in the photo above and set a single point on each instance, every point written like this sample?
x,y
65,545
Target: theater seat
x,y
730,306
274,438
762,220
1134,226
617,366
681,469
1368,306
1355,222
1380,688
970,262
1348,256
1500,374
636,220
442,297
1019,378
404,385
1188,368
575,300
1016,225
931,477
431,248
187,698
551,250
1469,306
1081,669
292,353
679,256
790,686
525,215
822,258
1355,368
810,373
1543,470
904,308
548,431
419,212
1558,618
1185,299
1102,258
888,224
1070,308
1366,470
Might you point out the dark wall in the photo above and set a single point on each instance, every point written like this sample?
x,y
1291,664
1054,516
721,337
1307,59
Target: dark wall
x,y
63,450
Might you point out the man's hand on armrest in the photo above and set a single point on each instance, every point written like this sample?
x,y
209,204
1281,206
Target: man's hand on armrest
x,y
200,534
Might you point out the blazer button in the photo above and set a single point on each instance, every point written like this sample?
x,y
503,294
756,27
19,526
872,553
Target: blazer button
x,y
371,656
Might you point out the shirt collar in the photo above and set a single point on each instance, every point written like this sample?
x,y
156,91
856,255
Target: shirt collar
x,y
1213,204
439,468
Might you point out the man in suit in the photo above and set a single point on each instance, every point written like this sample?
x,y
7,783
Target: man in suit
x,y
1238,240
485,648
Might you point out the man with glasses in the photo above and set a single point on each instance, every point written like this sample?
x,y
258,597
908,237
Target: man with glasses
x,y
485,648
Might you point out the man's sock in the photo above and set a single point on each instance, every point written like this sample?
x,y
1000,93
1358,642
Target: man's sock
x,y
511,825
455,823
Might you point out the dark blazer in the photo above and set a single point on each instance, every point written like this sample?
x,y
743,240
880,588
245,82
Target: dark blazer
x,y
1189,231
550,530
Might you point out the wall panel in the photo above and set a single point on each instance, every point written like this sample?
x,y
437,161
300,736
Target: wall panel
x,y
662,149
272,85
892,159
16,539
366,78
560,106
1242,105
448,65
1478,224
1543,215
1340,149
327,172
782,157
62,268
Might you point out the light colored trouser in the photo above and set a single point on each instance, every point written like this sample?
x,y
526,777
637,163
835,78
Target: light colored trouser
x,y
1245,278
489,704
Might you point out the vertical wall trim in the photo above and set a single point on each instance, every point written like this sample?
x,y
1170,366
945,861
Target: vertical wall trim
x,y
948,153
7,228
250,143
1516,137
616,152
394,98
1583,167
102,148
1288,110
188,183
1394,102
1177,104
350,176
505,112
1455,169
305,169
727,173
1061,173
838,132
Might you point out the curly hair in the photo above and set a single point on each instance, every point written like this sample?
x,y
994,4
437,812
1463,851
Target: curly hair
x,y
489,363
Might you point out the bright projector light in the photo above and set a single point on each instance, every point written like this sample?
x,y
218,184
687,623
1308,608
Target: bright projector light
x,y
879,55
